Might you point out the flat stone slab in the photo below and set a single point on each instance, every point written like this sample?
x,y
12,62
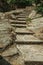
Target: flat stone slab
x,y
21,19
18,11
5,37
17,22
18,25
27,39
21,16
31,52
10,51
23,31
5,40
36,23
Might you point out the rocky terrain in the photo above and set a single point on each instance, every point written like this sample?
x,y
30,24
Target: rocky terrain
x,y
21,40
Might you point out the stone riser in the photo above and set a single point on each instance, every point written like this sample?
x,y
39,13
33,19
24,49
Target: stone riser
x,y
21,15
33,63
24,33
18,25
28,42
21,19
18,22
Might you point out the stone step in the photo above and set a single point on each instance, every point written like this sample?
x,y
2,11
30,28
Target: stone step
x,y
21,16
31,52
27,39
18,22
21,19
23,31
18,25
12,50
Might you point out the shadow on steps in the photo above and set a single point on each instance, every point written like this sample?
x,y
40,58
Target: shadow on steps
x,y
34,63
3,61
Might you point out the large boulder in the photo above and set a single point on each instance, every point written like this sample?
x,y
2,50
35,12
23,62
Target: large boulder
x,y
5,33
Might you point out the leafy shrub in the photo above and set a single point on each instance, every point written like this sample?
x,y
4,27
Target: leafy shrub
x,y
21,3
4,6
36,1
39,9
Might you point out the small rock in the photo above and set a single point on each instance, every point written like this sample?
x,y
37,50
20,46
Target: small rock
x,y
32,14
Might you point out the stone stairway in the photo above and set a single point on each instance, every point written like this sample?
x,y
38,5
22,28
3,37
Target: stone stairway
x,y
26,49
30,46
23,35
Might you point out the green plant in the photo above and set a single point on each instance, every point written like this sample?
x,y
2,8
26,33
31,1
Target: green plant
x,y
21,3
28,19
40,9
